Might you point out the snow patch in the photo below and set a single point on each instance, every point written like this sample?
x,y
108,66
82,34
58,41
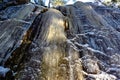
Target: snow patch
x,y
102,76
91,49
113,69
109,48
91,33
3,71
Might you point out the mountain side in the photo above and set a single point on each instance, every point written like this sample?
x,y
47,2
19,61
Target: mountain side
x,y
72,42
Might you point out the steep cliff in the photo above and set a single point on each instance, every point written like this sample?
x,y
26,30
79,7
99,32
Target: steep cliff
x,y
72,42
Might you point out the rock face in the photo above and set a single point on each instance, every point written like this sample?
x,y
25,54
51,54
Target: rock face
x,y
15,24
7,3
95,31
73,42
49,51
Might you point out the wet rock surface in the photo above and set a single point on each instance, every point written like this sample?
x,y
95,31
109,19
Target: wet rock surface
x,y
72,42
